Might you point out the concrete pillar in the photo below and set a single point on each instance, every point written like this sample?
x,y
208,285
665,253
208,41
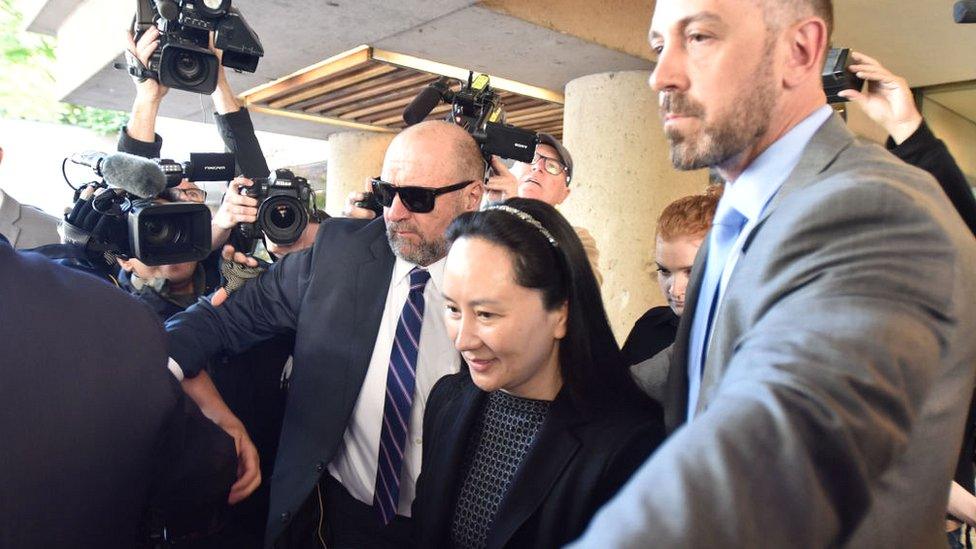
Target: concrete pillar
x,y
622,179
354,157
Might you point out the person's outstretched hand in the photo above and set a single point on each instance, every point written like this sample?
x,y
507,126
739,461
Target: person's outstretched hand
x,y
887,99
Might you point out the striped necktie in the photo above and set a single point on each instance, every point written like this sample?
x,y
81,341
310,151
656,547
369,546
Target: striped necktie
x,y
400,381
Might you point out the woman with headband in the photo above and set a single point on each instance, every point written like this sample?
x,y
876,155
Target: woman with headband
x,y
545,424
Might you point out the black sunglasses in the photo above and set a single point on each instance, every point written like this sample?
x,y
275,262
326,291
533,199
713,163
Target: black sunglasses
x,y
415,199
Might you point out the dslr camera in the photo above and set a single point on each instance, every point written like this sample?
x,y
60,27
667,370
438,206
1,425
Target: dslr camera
x,y
132,217
183,60
285,206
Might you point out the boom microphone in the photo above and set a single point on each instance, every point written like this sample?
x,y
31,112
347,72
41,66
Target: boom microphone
x,y
136,175
426,100
964,11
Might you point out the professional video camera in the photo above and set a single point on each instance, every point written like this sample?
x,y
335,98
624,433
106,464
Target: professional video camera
x,y
183,59
284,211
129,218
479,110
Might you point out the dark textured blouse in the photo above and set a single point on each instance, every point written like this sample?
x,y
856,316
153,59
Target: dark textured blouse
x,y
498,444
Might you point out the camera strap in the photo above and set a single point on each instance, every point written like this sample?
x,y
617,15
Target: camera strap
x,y
134,67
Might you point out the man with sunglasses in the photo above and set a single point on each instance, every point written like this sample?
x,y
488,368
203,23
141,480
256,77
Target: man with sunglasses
x,y
546,178
366,304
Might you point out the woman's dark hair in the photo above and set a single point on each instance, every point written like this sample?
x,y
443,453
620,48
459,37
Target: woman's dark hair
x,y
594,371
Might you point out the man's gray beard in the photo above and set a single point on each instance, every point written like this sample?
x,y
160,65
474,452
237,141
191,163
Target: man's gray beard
x,y
723,141
423,254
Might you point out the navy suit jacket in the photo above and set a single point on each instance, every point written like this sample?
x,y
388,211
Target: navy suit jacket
x,y
95,430
332,295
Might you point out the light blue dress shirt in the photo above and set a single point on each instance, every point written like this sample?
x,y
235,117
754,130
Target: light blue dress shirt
x,y
749,195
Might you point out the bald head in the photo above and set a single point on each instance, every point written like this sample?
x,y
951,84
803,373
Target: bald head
x,y
434,155
443,146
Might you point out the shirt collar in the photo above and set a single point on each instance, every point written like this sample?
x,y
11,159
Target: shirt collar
x,y
750,193
402,268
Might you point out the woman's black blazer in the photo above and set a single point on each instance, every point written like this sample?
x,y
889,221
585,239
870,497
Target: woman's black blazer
x,y
577,462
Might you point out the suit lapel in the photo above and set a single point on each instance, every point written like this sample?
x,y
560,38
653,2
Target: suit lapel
x,y
676,410
9,215
372,284
447,459
824,147
552,450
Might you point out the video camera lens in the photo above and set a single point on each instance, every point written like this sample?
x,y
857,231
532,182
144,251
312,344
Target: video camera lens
x,y
188,68
162,232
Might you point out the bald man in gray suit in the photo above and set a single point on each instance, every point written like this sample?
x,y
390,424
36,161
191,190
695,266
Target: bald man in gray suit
x,y
819,382
25,226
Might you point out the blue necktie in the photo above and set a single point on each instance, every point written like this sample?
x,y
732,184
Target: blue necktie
x,y
400,381
725,231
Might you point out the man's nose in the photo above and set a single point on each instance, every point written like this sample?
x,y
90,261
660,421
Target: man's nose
x,y
669,74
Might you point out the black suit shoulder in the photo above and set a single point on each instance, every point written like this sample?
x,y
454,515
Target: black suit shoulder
x,y
84,366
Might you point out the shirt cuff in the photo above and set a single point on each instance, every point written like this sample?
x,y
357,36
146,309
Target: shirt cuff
x,y
175,369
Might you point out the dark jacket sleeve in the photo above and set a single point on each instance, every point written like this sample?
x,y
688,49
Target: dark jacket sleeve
x,y
237,131
925,151
196,465
261,309
128,144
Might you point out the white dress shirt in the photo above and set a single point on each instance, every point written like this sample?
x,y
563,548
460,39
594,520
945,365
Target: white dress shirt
x,y
356,460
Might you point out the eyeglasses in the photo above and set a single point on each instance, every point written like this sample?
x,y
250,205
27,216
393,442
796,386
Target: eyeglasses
x,y
551,165
415,199
176,194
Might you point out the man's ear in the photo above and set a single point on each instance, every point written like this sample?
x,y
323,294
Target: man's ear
x,y
472,196
1,154
807,42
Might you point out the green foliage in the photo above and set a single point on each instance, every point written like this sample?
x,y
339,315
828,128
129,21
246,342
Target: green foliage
x,y
27,89
102,121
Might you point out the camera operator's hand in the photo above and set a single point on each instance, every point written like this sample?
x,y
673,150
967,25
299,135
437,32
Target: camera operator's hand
x,y
250,266
354,211
235,208
202,390
887,100
503,184
148,90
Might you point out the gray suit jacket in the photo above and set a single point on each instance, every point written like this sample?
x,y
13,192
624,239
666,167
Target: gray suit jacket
x,y
26,226
837,378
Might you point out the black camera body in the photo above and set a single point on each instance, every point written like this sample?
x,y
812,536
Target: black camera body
x,y
183,60
477,108
836,76
163,233
200,167
284,210
128,217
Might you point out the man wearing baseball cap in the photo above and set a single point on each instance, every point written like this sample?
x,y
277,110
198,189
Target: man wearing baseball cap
x,y
547,179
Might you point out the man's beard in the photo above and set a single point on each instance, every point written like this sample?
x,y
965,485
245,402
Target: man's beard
x,y
423,253
717,143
